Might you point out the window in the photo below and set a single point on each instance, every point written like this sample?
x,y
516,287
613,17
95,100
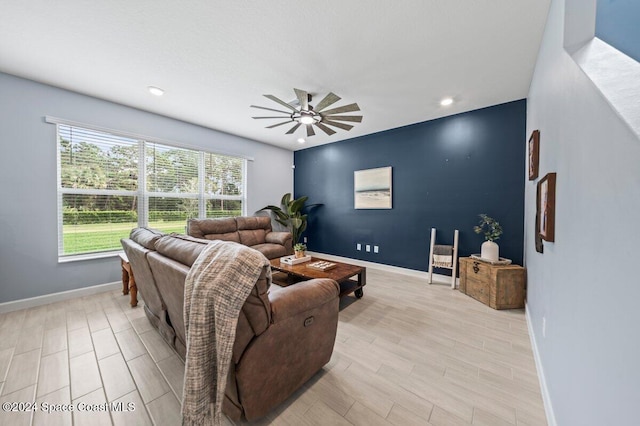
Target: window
x,y
109,184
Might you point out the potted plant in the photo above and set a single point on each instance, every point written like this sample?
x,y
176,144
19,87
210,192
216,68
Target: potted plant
x,y
289,214
300,250
492,231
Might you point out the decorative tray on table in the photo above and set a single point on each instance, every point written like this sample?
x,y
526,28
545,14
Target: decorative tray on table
x,y
321,265
293,260
501,261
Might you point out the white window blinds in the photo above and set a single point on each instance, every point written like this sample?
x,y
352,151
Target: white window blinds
x,y
110,183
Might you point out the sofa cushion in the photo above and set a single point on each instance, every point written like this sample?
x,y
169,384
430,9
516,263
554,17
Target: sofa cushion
x,y
271,251
252,237
253,222
252,230
224,228
146,237
181,248
282,238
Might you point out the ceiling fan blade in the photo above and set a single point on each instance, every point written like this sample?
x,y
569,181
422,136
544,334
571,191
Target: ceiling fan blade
x,y
336,124
259,118
303,98
310,131
283,103
270,109
346,108
325,129
330,99
279,124
293,129
356,118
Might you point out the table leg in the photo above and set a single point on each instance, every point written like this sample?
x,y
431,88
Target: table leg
x,y
362,281
133,289
362,278
125,277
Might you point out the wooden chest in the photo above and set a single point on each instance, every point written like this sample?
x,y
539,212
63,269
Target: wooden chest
x,y
500,287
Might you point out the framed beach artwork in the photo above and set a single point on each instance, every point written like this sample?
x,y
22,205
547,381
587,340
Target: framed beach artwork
x,y
547,207
372,188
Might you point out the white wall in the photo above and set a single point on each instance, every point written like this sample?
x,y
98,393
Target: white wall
x,y
28,217
585,284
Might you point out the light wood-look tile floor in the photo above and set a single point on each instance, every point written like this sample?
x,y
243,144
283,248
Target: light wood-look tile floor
x,y
406,354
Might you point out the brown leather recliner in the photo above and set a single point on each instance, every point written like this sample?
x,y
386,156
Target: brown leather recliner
x,y
142,241
251,231
284,335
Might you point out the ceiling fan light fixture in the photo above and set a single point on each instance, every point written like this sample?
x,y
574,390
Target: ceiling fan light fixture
x,y
302,114
307,119
301,140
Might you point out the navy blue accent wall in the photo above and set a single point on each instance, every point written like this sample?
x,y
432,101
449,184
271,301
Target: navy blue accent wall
x,y
618,23
445,172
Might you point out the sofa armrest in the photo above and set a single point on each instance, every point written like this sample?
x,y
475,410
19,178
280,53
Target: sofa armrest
x,y
296,345
303,296
278,237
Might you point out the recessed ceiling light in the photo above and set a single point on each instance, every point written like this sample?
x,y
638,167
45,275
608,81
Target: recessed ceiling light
x,y
446,101
156,91
301,140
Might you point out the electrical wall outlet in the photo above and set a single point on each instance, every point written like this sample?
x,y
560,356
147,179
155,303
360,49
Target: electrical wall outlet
x,y
358,246
304,240
368,248
544,327
376,249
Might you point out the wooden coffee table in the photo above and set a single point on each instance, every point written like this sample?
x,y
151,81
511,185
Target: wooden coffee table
x,y
343,273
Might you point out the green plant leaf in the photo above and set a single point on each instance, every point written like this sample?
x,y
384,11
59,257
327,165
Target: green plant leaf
x,y
313,205
282,222
296,222
489,226
298,204
290,214
286,198
278,211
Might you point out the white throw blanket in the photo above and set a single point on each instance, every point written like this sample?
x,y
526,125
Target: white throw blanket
x,y
215,289
442,256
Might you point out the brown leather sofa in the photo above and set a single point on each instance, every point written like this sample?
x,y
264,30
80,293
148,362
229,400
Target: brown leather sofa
x,y
253,231
284,335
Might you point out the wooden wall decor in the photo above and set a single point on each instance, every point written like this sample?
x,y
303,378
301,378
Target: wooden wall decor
x,y
538,239
547,207
534,154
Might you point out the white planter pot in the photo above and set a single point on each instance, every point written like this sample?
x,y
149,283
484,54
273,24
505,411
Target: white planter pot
x,y
490,251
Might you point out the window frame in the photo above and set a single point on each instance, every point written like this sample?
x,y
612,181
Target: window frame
x,y
142,194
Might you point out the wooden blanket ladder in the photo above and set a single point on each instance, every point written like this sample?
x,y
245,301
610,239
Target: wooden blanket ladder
x,y
443,256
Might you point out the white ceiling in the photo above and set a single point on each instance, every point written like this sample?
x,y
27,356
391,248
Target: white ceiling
x,y
214,58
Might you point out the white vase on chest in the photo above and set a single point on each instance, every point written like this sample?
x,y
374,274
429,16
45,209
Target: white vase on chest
x,y
490,251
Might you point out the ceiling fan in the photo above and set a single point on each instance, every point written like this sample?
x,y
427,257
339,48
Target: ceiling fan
x,y
309,116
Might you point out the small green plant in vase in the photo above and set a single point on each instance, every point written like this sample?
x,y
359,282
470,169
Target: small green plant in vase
x,y
300,250
492,231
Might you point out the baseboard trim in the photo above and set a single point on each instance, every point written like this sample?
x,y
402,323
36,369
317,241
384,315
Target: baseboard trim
x,y
546,399
437,278
32,302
